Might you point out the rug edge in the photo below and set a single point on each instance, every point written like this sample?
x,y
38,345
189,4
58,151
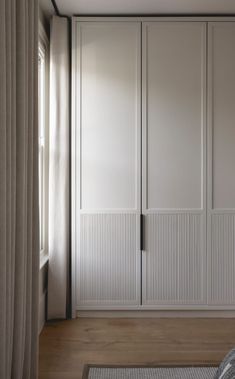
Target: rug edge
x,y
87,366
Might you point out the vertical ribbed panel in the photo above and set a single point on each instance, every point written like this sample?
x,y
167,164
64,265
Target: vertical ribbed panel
x,y
174,259
108,262
221,260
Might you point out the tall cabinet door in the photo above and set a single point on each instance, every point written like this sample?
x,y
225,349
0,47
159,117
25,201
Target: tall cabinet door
x,y
106,172
174,185
221,163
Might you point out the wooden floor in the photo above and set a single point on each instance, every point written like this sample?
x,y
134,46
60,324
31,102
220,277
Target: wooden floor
x,y
67,345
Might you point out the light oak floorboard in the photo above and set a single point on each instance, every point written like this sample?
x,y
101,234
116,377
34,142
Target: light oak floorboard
x,y
65,346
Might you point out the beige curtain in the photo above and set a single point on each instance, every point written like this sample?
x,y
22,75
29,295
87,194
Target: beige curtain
x,y
19,242
58,236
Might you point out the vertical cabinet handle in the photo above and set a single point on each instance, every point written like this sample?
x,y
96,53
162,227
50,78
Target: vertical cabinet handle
x,y
141,232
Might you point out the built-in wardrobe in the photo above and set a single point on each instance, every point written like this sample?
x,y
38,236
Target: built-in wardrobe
x,y
153,164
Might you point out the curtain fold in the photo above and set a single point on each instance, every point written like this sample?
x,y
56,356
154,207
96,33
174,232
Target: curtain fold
x,y
59,225
19,214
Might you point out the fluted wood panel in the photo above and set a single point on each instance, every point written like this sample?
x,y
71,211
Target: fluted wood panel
x,y
108,265
174,259
221,260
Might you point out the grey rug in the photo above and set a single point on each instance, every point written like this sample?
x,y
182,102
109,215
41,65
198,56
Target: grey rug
x,y
149,372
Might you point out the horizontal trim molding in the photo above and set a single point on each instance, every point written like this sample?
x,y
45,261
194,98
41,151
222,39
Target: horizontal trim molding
x,y
163,18
156,314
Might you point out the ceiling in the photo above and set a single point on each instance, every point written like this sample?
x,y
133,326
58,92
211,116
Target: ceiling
x,y
132,7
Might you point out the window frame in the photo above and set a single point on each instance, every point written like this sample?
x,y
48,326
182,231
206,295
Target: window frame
x,y
43,104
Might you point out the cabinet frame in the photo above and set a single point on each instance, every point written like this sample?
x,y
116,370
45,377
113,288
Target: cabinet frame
x,y
75,198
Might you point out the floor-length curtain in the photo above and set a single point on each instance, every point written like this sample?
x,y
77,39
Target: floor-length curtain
x,y
19,240
58,236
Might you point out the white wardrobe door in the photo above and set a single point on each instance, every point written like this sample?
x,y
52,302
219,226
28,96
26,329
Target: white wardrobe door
x,y
221,168
107,117
174,163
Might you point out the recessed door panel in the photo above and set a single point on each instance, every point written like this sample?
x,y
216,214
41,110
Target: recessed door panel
x,y
109,72
174,136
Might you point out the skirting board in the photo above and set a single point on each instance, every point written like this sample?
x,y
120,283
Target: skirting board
x,y
156,314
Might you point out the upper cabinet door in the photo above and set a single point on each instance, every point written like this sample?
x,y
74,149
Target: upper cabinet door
x,y
174,182
221,163
221,112
109,74
173,108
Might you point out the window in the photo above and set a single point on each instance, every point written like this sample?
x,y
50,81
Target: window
x,y
43,126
